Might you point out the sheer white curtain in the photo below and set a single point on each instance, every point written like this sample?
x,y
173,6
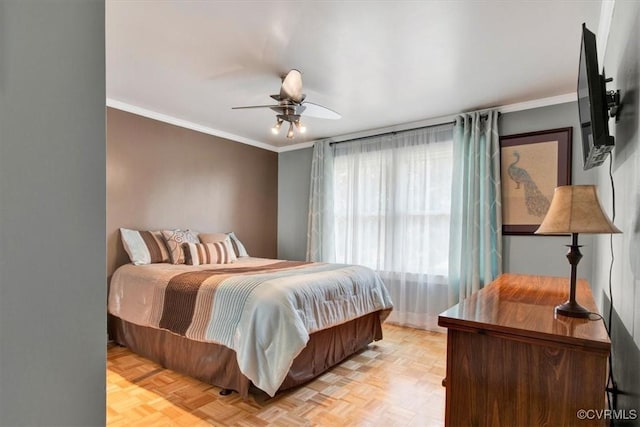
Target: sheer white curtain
x,y
391,198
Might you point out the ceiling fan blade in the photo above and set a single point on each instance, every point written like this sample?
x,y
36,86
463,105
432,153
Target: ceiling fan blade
x,y
291,103
316,110
253,106
292,87
291,109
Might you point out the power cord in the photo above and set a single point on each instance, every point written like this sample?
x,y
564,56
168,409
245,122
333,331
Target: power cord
x,y
612,386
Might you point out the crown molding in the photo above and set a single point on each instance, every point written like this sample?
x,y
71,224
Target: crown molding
x,y
520,106
537,103
510,108
113,103
294,147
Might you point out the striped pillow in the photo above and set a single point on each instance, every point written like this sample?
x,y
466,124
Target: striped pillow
x,y
219,237
207,253
144,247
236,244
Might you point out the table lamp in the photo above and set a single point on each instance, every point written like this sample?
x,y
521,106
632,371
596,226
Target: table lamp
x,y
575,209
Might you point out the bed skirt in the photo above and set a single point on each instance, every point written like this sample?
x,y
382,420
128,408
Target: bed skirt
x,y
216,364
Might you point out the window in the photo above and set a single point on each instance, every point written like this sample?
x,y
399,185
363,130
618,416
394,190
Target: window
x,y
392,199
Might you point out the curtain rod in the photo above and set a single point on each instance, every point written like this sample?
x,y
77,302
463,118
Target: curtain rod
x,y
394,132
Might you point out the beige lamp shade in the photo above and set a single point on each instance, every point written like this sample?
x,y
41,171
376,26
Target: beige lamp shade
x,y
576,209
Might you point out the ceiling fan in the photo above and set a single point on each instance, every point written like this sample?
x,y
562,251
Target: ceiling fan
x,y
291,105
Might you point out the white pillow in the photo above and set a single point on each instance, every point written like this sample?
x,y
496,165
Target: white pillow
x,y
238,247
144,247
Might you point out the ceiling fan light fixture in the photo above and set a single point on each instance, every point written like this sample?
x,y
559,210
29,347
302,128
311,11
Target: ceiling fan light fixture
x,y
291,103
301,128
276,128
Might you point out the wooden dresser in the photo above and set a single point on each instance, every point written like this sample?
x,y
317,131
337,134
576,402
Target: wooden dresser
x,y
510,362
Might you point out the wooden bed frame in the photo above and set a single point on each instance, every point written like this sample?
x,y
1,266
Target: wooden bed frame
x,y
216,364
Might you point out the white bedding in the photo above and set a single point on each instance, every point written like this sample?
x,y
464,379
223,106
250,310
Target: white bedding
x,y
265,316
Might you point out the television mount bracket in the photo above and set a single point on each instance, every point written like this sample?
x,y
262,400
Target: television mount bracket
x,y
613,103
613,100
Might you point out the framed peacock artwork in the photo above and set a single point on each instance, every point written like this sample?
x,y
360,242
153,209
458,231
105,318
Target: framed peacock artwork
x,y
532,165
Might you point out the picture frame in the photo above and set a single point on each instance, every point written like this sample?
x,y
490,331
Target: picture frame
x,y
532,165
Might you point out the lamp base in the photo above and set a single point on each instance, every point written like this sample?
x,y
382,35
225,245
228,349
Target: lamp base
x,y
572,309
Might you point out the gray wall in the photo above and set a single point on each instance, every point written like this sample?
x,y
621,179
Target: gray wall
x,y
294,168
546,254
522,254
52,213
622,62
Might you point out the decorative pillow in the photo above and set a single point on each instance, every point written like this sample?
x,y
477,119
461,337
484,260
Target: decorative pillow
x,y
207,253
219,237
175,239
144,247
237,245
212,237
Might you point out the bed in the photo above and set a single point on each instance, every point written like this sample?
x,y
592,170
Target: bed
x,y
263,323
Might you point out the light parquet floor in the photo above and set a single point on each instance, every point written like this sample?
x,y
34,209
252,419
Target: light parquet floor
x,y
393,382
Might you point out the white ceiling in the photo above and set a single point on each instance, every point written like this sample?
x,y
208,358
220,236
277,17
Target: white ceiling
x,y
378,63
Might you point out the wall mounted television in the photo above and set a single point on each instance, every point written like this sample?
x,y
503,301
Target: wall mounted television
x,y
593,104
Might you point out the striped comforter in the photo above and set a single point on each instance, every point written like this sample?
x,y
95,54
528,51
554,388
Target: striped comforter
x,y
263,309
